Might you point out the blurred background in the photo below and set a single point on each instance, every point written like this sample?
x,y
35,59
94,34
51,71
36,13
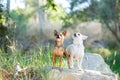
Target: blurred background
x,y
27,25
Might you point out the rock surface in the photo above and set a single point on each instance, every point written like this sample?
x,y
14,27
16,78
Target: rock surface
x,y
95,62
71,74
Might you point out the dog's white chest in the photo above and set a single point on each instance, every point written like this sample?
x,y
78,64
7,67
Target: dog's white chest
x,y
76,50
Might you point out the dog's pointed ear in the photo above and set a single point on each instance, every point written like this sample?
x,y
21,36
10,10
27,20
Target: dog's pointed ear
x,y
84,37
64,33
55,32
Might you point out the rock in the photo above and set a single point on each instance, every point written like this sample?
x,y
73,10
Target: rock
x,y
99,44
5,75
71,74
94,68
25,73
93,61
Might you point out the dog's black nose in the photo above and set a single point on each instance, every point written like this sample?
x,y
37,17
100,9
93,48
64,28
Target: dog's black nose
x,y
58,36
75,34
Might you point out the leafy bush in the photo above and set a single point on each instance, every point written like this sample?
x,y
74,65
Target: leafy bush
x,y
112,44
104,52
114,61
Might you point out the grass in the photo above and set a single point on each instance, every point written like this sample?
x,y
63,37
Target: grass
x,y
114,61
37,60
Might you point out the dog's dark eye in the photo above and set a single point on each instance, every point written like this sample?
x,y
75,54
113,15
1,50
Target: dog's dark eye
x,y
60,34
78,34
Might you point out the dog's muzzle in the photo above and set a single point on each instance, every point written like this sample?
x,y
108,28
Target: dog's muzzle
x,y
58,36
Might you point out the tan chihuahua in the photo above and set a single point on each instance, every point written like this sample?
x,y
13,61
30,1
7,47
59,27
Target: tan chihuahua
x,y
59,49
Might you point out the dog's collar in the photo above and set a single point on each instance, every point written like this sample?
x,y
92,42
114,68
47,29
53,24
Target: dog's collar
x,y
59,46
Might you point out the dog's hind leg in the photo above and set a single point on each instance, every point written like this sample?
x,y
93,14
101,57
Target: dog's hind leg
x,y
54,61
61,59
71,62
68,62
68,59
80,62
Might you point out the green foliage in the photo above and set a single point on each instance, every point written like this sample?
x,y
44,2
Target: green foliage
x,y
105,8
2,19
112,44
19,17
104,52
1,5
81,15
56,15
75,3
7,28
50,3
108,11
75,17
2,14
114,61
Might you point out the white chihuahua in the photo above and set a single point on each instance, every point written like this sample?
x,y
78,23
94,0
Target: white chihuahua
x,y
76,50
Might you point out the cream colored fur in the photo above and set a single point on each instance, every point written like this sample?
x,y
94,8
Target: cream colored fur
x,y
76,50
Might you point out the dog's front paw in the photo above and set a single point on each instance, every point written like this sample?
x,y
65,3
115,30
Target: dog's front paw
x,y
71,67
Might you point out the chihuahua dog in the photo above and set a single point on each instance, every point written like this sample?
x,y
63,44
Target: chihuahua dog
x,y
59,49
76,50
